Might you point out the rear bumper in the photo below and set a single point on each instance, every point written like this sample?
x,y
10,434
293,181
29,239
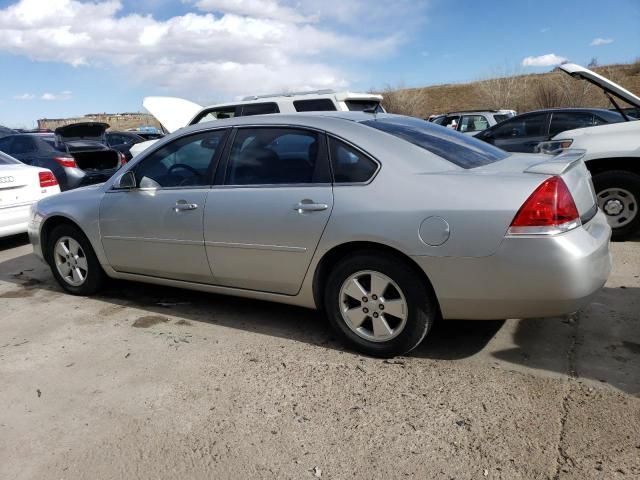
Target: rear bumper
x,y
527,277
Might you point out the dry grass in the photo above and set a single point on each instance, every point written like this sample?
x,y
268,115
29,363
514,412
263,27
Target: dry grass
x,y
518,92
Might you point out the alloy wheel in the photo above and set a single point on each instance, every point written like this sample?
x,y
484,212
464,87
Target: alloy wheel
x,y
373,306
71,261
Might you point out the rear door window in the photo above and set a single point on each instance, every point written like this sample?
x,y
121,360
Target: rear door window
x,y
473,123
315,105
527,126
562,121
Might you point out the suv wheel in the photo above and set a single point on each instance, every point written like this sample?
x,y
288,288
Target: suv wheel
x,y
378,305
618,194
73,261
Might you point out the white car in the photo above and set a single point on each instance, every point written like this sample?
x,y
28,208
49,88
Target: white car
x,y
612,155
21,186
175,113
471,122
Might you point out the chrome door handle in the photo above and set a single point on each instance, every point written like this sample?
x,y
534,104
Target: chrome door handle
x,y
310,207
182,205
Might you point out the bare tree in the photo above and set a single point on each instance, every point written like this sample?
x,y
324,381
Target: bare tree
x,y
503,87
403,101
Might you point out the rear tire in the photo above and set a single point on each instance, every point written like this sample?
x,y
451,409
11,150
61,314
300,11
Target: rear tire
x,y
618,194
73,262
378,304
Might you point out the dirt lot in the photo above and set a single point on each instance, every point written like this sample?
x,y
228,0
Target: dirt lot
x,y
149,382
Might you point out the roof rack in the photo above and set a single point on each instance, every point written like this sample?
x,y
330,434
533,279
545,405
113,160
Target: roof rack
x,y
289,94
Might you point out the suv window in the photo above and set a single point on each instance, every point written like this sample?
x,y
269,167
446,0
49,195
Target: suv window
x,y
350,165
461,150
562,121
362,105
528,126
259,109
315,105
22,145
216,114
501,117
185,162
451,121
277,156
473,123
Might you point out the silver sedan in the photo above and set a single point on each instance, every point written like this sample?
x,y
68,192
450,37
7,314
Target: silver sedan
x,y
385,222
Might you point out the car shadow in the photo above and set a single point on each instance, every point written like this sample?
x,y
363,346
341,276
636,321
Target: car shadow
x,y
13,241
601,343
448,340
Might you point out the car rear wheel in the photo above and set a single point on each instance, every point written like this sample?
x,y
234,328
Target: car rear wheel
x,y
379,305
618,194
73,261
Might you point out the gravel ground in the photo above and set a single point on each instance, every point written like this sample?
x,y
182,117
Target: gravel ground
x,y
151,382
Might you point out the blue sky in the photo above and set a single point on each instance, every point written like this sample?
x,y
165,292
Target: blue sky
x,y
69,57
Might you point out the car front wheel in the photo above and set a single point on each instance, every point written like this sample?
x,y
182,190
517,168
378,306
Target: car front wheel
x,y
73,261
379,305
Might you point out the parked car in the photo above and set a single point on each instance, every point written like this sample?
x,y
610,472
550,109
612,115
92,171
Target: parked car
x,y
76,154
472,121
612,156
524,132
123,141
386,222
20,187
175,113
148,133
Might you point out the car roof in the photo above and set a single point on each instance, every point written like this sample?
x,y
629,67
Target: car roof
x,y
295,96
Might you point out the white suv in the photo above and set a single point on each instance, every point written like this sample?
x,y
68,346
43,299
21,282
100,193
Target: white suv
x,y
472,122
612,156
174,113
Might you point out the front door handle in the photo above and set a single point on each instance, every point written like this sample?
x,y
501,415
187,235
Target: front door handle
x,y
310,206
182,205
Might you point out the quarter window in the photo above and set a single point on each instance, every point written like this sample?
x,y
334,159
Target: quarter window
x,y
316,105
350,165
277,156
185,162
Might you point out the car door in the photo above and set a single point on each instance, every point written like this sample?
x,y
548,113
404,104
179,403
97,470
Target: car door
x,y
519,134
155,229
264,221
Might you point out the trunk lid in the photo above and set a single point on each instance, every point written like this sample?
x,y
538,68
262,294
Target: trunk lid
x,y
605,84
81,131
173,113
18,184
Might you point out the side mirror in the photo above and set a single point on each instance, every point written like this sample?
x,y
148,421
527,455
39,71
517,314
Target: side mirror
x,y
126,181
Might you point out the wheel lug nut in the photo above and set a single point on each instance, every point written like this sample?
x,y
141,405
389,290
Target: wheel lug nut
x,y
365,299
375,297
375,315
381,307
365,310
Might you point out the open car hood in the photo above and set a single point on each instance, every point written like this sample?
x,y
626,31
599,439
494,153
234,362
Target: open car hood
x,y
82,131
605,84
173,113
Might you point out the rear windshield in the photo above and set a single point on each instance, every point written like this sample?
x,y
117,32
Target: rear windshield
x,y
457,148
501,117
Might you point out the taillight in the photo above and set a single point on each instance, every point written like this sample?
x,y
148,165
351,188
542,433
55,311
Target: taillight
x,y
549,210
123,159
47,179
66,161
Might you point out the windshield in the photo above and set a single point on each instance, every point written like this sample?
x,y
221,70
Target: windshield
x,y
459,149
7,160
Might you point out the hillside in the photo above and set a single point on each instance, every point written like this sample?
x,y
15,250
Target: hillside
x,y
520,92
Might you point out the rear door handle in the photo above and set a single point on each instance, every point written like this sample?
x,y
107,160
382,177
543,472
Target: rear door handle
x,y
182,205
308,206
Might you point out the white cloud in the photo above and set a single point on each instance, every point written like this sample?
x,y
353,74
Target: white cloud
x,y
66,95
596,42
547,60
24,96
229,47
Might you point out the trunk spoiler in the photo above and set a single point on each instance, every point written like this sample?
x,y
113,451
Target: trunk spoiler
x,y
559,164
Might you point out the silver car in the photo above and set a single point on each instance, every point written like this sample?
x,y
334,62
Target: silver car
x,y
385,222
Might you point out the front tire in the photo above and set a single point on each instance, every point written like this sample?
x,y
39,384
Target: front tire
x,y
73,262
618,194
378,304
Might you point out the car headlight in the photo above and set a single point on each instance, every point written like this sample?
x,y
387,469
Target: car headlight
x,y
553,147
